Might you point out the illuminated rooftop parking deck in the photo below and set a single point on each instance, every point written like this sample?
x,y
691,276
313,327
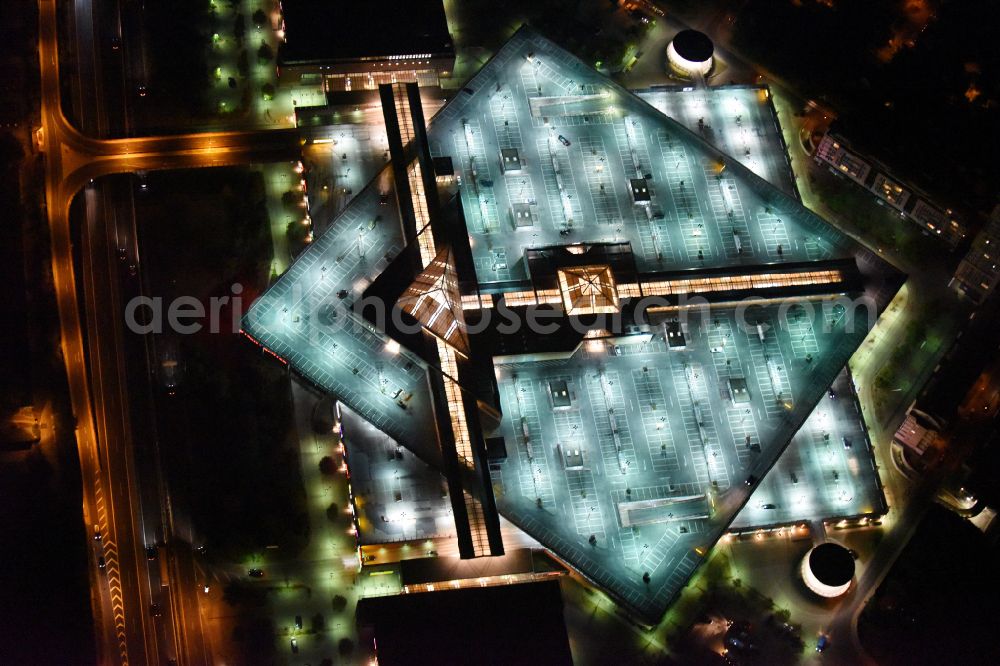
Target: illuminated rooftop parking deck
x,y
826,473
656,424
577,167
741,121
301,318
648,423
397,497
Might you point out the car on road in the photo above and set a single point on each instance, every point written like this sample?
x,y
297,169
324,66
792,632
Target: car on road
x,y
295,646
298,621
256,573
847,442
154,609
768,506
97,533
116,43
822,643
151,552
564,141
831,394
142,90
751,480
100,562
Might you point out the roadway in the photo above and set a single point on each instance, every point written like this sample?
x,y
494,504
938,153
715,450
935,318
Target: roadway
x,y
98,387
123,521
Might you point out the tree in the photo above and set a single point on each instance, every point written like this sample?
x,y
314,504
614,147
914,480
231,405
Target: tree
x,y
264,53
345,646
245,98
259,18
240,28
291,199
268,91
296,233
327,466
318,623
243,63
339,603
333,513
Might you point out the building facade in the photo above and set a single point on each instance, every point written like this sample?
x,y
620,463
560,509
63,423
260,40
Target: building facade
x,y
842,160
978,274
360,46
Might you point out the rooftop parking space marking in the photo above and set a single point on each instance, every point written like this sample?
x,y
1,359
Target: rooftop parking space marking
x,y
740,120
818,477
717,217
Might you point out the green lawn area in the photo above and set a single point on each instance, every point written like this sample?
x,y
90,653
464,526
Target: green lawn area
x,y
882,226
228,433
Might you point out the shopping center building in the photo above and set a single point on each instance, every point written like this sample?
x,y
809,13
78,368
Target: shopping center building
x,y
598,334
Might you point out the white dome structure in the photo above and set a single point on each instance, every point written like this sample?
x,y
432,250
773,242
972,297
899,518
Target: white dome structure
x,y
690,53
828,570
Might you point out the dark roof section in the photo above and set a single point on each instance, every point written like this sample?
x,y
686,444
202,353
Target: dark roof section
x,y
318,31
832,564
693,46
507,624
962,364
544,262
443,166
444,569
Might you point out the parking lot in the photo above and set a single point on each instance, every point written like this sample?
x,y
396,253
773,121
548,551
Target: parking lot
x,y
305,319
827,471
581,140
668,438
738,120
341,218
628,460
398,497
